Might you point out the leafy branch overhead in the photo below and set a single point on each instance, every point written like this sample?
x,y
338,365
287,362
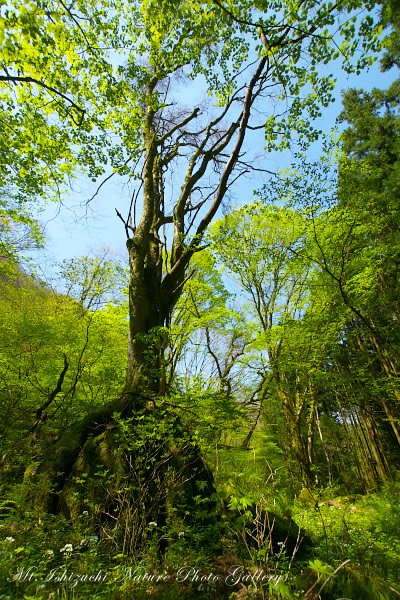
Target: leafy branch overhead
x,y
74,77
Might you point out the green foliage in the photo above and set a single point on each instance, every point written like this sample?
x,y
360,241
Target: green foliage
x,y
363,531
43,333
296,386
73,84
94,281
19,232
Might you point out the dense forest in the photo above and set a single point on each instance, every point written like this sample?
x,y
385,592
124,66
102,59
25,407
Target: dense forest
x,y
214,415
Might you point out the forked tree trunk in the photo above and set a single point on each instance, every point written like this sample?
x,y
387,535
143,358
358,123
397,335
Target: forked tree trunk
x,y
153,292
180,459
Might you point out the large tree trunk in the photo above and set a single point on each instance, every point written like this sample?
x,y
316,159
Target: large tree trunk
x,y
153,291
160,470
177,472
146,318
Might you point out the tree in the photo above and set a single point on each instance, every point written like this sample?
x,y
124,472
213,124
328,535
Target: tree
x,y
205,335
265,53
19,232
154,291
320,276
368,192
353,235
263,247
48,51
58,360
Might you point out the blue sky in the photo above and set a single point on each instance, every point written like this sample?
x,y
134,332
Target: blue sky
x,y
74,230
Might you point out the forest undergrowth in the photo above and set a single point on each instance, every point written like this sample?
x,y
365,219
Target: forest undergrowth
x,y
353,552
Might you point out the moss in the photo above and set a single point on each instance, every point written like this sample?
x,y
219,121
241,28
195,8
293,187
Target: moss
x,y
98,464
59,459
31,471
306,498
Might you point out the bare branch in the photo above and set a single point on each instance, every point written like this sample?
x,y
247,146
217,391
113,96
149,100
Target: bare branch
x,y
192,116
179,265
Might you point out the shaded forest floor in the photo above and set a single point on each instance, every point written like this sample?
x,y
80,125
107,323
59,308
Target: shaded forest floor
x,y
355,555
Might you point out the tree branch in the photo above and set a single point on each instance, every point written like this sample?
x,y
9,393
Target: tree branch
x,y
16,79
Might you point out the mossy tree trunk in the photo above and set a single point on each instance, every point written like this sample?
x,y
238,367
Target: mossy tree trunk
x,y
157,277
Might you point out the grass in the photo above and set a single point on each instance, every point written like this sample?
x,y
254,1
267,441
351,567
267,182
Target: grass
x,y
356,555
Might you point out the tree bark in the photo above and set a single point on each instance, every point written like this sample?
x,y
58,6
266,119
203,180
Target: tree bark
x,y
154,289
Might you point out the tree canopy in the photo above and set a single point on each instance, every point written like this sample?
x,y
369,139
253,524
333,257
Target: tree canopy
x,y
237,380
